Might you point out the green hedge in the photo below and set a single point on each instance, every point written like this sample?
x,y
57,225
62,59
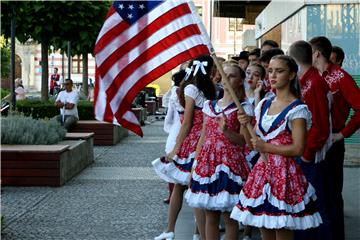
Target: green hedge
x,y
4,92
46,109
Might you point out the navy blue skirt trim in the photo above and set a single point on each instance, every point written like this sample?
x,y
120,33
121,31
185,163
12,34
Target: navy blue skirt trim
x,y
223,183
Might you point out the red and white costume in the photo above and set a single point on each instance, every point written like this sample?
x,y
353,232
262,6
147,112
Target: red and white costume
x,y
179,170
221,168
345,95
317,97
276,194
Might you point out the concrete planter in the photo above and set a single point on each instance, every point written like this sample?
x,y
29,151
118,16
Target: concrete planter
x,y
44,165
141,114
104,133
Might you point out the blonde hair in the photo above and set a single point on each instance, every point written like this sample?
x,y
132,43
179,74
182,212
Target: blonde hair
x,y
242,94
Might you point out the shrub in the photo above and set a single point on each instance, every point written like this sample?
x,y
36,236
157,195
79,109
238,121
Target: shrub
x,y
19,129
46,109
4,92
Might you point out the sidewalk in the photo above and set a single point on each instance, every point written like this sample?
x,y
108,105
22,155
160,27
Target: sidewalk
x,y
119,197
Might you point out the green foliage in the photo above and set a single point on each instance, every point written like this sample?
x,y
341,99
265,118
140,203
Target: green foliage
x,y
19,129
4,92
46,109
5,61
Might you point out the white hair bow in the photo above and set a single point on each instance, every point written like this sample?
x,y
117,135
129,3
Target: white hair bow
x,y
200,65
188,71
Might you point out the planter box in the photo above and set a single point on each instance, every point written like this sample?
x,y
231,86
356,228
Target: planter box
x,y
89,139
104,133
141,115
43,165
151,107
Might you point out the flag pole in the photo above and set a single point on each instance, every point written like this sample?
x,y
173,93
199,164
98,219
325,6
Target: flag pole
x,y
231,91
207,39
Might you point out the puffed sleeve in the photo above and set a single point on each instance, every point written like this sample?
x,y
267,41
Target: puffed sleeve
x,y
248,108
191,91
300,111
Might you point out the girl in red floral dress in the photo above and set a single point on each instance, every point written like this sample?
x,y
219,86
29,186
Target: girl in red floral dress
x,y
178,163
276,197
221,168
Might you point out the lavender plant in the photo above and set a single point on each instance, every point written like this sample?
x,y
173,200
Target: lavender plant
x,y
19,129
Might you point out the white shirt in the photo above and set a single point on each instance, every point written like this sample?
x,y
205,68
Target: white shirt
x,y
192,91
68,97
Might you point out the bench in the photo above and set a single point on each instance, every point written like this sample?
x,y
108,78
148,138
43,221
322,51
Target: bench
x,y
88,138
104,133
43,165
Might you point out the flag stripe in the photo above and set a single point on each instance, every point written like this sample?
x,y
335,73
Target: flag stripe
x,y
128,58
138,44
127,123
107,37
191,53
144,35
135,29
155,62
151,52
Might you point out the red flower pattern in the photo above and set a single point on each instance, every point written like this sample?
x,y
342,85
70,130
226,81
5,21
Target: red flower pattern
x,y
284,175
218,149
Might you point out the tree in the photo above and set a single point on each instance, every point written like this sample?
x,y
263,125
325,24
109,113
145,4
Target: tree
x,y
5,61
83,29
55,23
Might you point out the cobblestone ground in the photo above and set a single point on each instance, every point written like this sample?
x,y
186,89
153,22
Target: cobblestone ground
x,y
120,197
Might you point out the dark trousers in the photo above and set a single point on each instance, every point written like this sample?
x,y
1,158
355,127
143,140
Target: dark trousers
x,y
334,176
314,174
69,121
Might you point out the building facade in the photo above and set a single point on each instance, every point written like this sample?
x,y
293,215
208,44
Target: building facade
x,y
227,37
338,20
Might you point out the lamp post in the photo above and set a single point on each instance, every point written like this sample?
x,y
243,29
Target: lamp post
x,y
12,58
69,60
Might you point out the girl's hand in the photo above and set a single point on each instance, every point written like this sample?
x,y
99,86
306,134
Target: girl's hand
x,y
222,123
243,118
170,156
259,86
259,144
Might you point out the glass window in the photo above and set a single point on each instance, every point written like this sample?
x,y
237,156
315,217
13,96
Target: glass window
x,y
77,64
235,23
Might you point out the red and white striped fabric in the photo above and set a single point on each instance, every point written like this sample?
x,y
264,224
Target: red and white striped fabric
x,y
135,48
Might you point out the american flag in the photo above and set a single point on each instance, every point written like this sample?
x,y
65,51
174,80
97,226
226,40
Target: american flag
x,y
139,42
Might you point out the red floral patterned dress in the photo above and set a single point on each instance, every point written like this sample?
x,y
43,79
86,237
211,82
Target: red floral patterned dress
x,y
178,171
221,168
276,194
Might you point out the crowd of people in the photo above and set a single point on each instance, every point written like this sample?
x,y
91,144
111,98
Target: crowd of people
x,y
287,180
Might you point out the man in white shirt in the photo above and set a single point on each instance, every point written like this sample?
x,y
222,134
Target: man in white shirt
x,y
67,102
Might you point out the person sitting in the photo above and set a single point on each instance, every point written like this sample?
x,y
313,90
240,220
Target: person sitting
x,y
19,90
67,102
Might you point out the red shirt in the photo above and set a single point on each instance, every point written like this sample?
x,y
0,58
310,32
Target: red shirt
x,y
54,78
314,92
346,95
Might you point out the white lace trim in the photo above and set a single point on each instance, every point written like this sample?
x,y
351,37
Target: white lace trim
x,y
215,176
223,201
276,222
170,173
183,161
300,111
160,169
248,108
254,202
